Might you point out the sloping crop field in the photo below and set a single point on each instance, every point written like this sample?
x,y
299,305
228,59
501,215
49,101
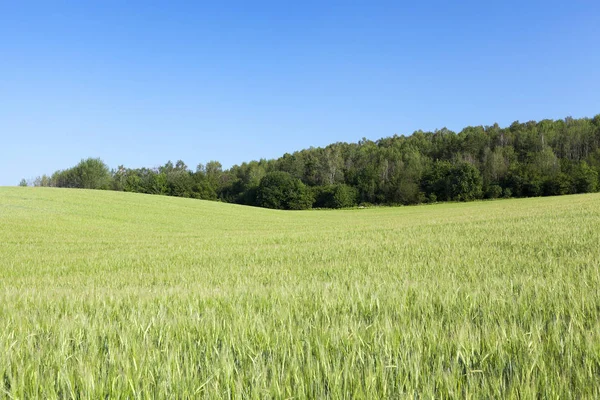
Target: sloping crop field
x,y
119,295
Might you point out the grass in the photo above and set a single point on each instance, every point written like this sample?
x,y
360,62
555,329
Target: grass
x,y
118,295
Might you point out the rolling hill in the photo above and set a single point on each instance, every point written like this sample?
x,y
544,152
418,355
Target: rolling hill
x,y
111,294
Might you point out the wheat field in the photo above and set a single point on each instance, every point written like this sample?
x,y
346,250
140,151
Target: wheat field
x,y
121,295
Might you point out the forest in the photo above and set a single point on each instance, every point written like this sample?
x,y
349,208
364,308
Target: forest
x,y
545,158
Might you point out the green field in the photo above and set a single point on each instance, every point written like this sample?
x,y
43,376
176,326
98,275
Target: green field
x,y
119,295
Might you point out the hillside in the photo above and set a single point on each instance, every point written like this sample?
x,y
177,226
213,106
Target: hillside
x,y
107,293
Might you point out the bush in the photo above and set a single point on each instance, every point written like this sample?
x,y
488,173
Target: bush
x,y
493,192
280,190
334,196
91,173
344,196
586,179
447,181
466,182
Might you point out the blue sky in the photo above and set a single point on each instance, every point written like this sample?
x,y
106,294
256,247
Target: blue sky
x,y
140,82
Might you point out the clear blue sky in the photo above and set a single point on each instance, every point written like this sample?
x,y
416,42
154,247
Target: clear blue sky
x,y
141,82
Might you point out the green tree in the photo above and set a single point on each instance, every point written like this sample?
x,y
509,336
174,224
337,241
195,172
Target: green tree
x,y
43,180
92,173
447,181
335,196
344,196
466,182
585,178
493,191
280,190
437,183
179,180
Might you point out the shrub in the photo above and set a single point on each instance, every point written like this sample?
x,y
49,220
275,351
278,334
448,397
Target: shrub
x,y
493,192
280,190
335,196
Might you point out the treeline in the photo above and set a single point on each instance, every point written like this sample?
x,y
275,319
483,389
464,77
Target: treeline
x,y
525,159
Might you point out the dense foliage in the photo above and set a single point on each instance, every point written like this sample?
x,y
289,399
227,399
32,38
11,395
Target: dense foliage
x,y
525,159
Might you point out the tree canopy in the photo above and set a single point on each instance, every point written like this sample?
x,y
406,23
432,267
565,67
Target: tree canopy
x,y
549,157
